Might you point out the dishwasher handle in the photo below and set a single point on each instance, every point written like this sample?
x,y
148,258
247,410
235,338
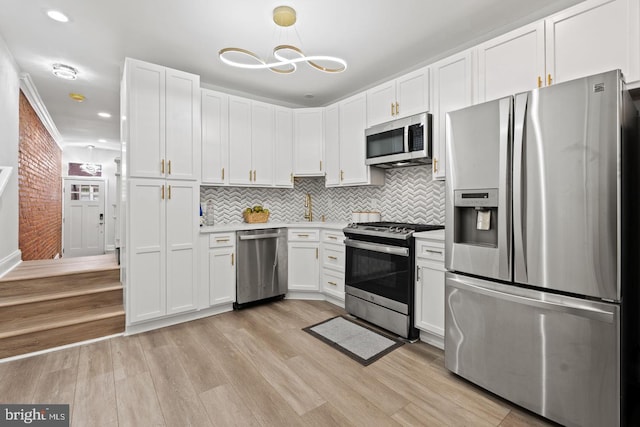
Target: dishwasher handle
x,y
260,236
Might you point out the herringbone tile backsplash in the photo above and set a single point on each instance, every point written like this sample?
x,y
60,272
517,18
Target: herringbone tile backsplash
x,y
409,195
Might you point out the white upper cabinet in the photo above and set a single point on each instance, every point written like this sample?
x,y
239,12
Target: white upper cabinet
x,y
593,37
452,89
283,161
251,142
402,97
511,63
308,142
345,145
215,137
332,145
162,111
262,142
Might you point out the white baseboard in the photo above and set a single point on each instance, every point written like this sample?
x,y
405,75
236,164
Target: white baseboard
x,y
110,248
305,295
432,339
174,320
10,262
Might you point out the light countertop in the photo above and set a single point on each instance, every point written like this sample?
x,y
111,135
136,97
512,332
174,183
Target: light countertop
x,y
244,226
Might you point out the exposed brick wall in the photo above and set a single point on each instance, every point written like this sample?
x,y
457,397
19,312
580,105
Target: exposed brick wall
x,y
40,193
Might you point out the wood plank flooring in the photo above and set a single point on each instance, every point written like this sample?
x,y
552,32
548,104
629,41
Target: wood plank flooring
x,y
253,367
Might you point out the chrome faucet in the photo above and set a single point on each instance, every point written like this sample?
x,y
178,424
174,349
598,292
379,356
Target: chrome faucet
x,y
308,209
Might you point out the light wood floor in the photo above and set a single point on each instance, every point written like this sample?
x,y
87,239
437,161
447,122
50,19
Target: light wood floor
x,y
61,266
253,367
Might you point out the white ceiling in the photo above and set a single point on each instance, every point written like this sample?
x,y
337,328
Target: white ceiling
x,y
379,39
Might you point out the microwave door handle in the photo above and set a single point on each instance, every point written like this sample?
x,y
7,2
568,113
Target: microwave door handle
x,y
406,138
519,259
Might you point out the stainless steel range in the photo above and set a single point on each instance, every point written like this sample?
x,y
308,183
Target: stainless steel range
x,y
380,274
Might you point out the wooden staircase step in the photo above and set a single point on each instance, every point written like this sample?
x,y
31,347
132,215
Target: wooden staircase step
x,y
46,321
57,304
61,283
82,329
36,297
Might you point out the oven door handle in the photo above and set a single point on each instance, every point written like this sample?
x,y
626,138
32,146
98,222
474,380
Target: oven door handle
x,y
376,247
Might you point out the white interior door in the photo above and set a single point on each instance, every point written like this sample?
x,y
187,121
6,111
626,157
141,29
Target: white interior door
x,y
83,217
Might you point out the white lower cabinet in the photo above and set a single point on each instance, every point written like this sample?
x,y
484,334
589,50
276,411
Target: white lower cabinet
x,y
161,258
222,268
333,263
429,291
304,262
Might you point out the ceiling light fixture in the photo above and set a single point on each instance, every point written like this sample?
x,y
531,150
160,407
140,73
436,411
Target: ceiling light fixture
x,y
57,16
102,140
104,115
63,71
286,55
77,97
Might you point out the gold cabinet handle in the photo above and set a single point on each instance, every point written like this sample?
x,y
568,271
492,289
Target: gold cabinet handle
x,y
291,177
254,175
431,251
332,283
549,79
539,81
162,166
221,240
223,174
320,165
232,259
333,237
397,108
303,235
250,176
169,193
341,175
316,253
169,167
332,257
162,193
392,113
435,165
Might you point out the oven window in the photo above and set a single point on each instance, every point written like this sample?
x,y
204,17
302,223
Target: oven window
x,y
379,273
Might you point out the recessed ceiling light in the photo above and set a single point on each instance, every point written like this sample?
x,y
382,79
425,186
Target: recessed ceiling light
x,y
105,115
102,140
57,16
77,97
63,71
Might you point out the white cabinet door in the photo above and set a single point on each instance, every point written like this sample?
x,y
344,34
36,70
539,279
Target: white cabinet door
x,y
429,295
511,63
262,142
145,93
182,124
594,37
353,119
215,137
146,290
283,162
452,89
182,199
222,276
381,103
308,141
240,171
332,145
303,266
412,93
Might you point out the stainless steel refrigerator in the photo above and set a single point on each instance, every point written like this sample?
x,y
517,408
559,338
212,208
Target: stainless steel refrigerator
x,y
541,249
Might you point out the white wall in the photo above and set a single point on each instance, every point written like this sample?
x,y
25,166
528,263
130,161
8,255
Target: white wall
x,y
9,138
106,159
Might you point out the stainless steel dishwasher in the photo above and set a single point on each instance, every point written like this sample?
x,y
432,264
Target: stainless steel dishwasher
x,y
261,272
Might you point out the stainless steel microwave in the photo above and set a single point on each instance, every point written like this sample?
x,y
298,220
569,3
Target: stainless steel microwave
x,y
402,142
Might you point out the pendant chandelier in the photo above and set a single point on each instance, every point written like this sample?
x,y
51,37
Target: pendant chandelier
x,y
286,55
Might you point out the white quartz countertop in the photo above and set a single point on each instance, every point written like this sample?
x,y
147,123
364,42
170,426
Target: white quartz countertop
x,y
432,235
244,226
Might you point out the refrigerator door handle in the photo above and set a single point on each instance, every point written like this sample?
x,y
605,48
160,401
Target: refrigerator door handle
x,y
519,236
568,307
504,195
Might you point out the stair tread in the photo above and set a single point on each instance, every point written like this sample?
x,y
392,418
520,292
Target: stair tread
x,y
60,267
52,321
53,294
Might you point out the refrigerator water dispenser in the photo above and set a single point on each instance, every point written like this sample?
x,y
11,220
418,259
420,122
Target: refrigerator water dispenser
x,y
476,217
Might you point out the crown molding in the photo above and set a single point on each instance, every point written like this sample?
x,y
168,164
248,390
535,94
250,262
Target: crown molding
x,y
29,89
